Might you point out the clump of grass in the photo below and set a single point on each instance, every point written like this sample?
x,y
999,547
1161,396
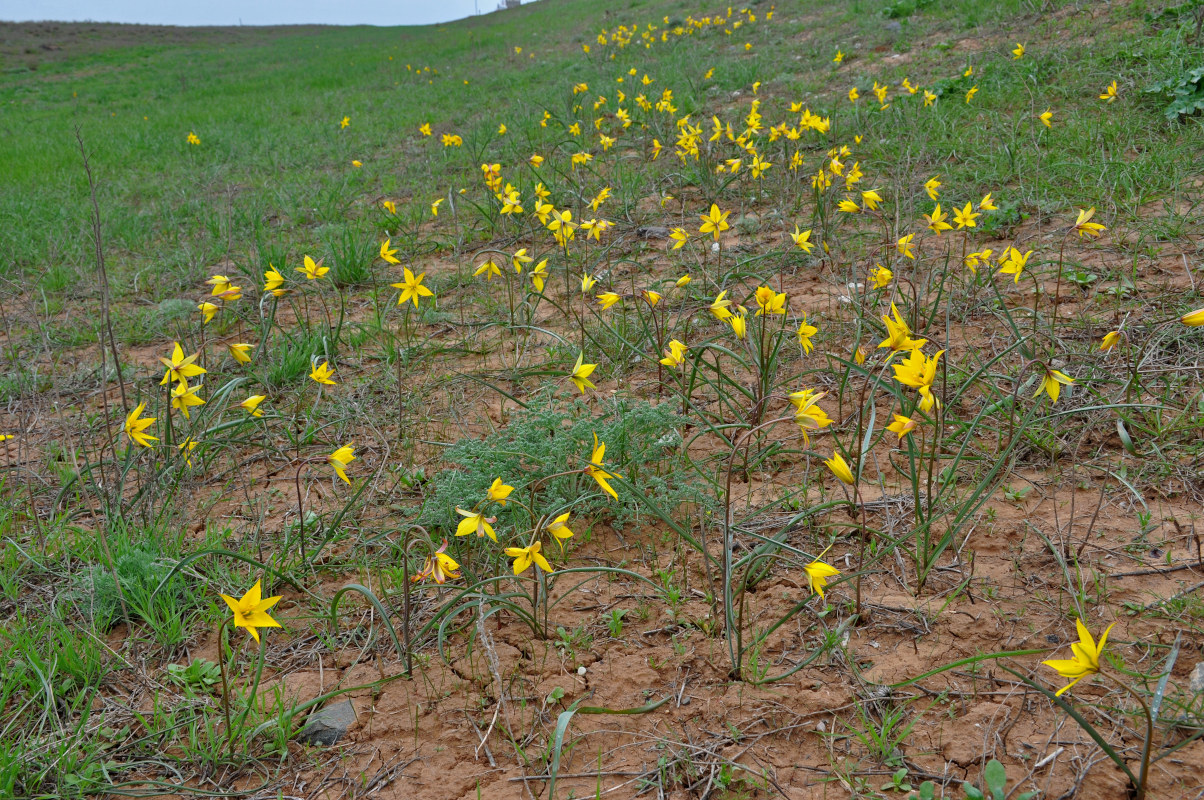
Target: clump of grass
x,y
291,358
546,439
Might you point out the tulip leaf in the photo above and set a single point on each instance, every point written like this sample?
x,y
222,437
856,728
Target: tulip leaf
x,y
1156,702
996,778
1087,727
380,609
868,439
1126,441
963,662
562,725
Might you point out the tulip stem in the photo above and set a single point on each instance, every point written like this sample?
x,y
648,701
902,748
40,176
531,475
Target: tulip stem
x,y
1139,789
405,600
731,626
221,660
254,692
301,513
535,598
1053,321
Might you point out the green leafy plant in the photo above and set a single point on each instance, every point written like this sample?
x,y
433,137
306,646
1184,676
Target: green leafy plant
x,y
994,777
1183,94
200,674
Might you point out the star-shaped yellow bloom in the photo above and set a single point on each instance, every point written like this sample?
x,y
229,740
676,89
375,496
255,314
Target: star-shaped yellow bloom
x,y
818,573
805,332
1086,657
881,276
184,397
808,414
339,459
313,269
720,305
241,352
594,468
220,283
902,426
559,529
524,557
714,222
251,405
965,217
321,374
1052,383
273,280
802,240
475,522
769,301
489,269
251,612
580,374
1014,263
180,367
675,355
898,333
136,425
411,288
918,371
936,221
387,253
498,491
1085,226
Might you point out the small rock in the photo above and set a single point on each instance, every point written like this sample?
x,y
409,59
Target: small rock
x,y
1197,679
327,726
894,26
652,232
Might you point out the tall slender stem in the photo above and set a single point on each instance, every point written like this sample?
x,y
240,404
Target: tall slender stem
x,y
405,609
1139,789
301,513
221,660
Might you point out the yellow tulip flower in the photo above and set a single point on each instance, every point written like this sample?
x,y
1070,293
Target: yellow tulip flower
x,y
840,469
136,425
524,557
339,459
1086,657
251,612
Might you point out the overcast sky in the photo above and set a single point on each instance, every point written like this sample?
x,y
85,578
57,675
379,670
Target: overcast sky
x,y
246,12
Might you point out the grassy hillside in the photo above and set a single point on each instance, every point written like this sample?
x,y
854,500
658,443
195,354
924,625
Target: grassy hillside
x,y
881,310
